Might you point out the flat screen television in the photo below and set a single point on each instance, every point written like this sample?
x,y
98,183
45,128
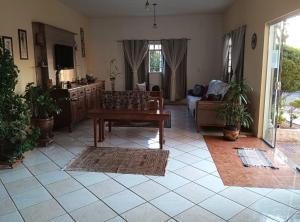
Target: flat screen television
x,y
64,58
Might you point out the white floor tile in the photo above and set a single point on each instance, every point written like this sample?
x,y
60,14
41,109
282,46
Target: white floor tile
x,y
77,199
248,215
206,166
63,218
188,158
194,192
52,177
6,206
123,201
171,181
295,217
23,185
211,182
63,187
174,164
117,219
44,211
130,180
273,209
106,188
241,195
145,213
286,197
31,197
222,207
149,190
190,173
172,204
14,175
91,178
198,214
201,153
43,168
12,217
97,211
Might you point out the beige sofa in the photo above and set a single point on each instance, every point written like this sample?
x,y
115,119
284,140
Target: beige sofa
x,y
206,114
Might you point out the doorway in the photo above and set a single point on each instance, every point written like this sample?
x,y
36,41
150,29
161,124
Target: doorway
x,y
282,98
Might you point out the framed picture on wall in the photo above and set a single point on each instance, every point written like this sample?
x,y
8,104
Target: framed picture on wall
x,y
23,44
8,44
82,42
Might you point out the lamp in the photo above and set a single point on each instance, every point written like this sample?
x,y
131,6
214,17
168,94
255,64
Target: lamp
x,y
154,16
67,76
147,6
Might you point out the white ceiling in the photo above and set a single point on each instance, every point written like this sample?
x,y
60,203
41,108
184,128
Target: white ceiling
x,y
110,8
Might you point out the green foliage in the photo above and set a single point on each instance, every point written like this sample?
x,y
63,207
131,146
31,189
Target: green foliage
x,y
235,112
16,134
290,74
41,104
155,64
282,103
293,106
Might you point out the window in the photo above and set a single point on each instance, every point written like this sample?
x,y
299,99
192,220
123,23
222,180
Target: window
x,y
229,64
155,58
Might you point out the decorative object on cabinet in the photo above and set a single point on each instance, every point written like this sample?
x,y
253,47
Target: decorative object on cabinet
x,y
113,73
82,42
43,107
23,44
79,100
253,41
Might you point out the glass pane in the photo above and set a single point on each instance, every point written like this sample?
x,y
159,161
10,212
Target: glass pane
x,y
272,82
155,61
151,46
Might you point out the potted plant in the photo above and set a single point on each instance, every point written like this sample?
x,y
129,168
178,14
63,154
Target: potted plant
x,y
16,134
234,112
43,107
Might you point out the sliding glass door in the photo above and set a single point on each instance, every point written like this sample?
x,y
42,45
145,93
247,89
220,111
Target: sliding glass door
x,y
273,83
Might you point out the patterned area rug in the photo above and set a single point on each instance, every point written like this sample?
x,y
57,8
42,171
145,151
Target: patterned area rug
x,y
254,157
121,160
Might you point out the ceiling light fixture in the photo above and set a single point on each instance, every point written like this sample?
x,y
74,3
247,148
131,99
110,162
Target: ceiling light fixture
x,y
147,6
154,16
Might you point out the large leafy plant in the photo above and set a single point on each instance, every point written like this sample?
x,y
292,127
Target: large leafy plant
x,y
16,134
42,105
235,112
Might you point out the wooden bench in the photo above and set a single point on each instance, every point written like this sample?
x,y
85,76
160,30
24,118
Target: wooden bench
x,y
129,106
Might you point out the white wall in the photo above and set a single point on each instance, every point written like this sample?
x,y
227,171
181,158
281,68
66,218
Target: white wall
x,y
204,49
19,14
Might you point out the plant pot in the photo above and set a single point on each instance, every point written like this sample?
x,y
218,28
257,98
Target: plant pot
x,y
46,127
231,133
8,158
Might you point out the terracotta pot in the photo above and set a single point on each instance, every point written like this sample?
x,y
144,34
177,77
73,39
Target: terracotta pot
x,y
46,127
231,134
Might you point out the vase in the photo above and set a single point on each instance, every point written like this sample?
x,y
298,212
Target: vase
x,y
112,81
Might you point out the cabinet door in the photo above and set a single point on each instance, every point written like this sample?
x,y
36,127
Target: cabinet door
x,y
93,100
74,112
89,101
81,108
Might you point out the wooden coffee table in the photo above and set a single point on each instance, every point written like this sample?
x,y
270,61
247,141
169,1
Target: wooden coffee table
x,y
99,117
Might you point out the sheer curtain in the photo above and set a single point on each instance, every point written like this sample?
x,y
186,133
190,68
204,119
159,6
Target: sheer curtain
x,y
174,50
134,52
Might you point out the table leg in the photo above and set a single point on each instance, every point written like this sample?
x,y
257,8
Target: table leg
x,y
109,126
95,132
103,129
161,133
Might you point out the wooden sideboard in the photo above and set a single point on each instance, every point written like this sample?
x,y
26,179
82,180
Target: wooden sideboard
x,y
75,103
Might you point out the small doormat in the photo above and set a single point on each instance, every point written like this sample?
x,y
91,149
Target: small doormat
x,y
154,124
253,157
121,160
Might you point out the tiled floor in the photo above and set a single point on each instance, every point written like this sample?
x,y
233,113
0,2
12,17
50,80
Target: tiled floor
x,y
39,190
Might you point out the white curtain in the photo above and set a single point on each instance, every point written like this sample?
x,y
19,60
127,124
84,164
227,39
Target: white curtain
x,y
135,51
174,51
225,57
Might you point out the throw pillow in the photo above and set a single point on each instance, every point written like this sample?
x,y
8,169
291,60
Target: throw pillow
x,y
217,87
198,90
141,86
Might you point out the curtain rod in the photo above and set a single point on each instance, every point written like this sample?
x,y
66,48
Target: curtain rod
x,y
149,40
